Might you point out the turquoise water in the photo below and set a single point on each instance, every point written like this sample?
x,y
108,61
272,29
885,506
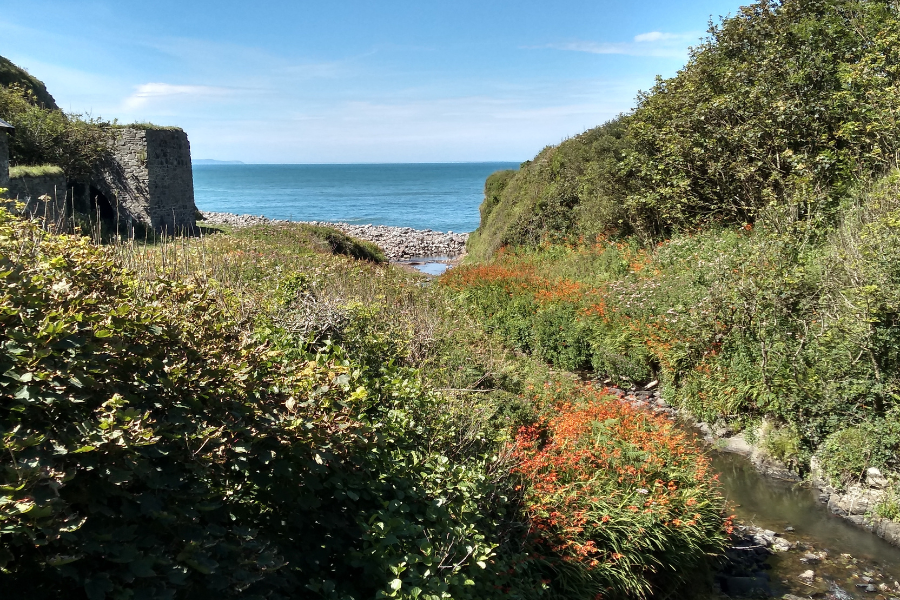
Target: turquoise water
x,y
442,197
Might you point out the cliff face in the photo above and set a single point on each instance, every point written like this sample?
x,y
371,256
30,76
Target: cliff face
x,y
11,74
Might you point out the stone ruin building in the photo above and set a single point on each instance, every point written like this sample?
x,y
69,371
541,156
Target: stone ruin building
x,y
5,130
146,180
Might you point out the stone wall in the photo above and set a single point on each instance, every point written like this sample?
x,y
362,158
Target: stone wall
x,y
43,196
149,179
4,160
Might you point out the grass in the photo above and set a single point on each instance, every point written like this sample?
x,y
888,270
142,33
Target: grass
x,y
20,171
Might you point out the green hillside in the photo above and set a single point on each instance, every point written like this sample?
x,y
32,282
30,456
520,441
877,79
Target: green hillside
x,y
785,104
46,135
10,74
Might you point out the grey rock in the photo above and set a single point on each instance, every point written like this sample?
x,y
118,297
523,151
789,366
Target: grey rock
x,y
781,544
875,479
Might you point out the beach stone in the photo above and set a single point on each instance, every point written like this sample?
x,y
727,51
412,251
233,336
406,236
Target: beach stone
x,y
857,500
809,558
398,243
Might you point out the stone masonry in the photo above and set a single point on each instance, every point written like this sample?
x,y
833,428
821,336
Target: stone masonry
x,y
149,178
43,196
4,154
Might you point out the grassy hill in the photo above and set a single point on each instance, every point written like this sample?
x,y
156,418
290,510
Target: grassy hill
x,y
784,105
10,74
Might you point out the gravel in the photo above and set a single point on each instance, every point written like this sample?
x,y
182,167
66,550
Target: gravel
x,y
398,243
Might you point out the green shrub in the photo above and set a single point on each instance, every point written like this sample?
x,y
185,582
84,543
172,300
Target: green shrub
x,y
784,104
889,508
151,447
493,188
11,74
845,456
44,136
784,445
341,243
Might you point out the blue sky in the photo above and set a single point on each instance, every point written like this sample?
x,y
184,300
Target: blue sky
x,y
355,81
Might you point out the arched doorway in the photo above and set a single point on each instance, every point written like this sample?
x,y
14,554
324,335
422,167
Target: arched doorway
x,y
101,205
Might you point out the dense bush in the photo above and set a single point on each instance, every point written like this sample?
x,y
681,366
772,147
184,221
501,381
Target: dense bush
x,y
50,136
784,104
621,503
150,449
572,189
11,74
228,418
847,454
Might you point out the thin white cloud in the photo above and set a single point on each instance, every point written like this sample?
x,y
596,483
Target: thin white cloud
x,y
653,43
656,36
147,94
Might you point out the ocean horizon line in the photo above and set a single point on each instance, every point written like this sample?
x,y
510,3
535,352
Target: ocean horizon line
x,y
231,163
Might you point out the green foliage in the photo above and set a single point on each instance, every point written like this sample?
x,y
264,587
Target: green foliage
x,y
783,444
845,456
153,448
889,508
793,320
341,243
10,75
573,189
847,453
784,104
147,126
43,136
493,188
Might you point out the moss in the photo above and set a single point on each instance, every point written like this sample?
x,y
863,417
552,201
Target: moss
x,y
20,171
145,126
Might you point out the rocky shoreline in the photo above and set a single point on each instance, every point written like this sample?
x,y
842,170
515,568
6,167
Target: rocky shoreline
x,y
398,243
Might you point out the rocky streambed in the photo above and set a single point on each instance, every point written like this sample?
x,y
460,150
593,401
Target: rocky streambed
x,y
398,243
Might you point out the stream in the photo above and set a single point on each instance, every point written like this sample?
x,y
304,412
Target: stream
x,y
845,560
431,265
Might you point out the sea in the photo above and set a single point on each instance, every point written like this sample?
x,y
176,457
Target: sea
x,y
437,196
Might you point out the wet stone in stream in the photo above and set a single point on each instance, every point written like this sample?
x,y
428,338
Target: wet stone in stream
x,y
762,564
